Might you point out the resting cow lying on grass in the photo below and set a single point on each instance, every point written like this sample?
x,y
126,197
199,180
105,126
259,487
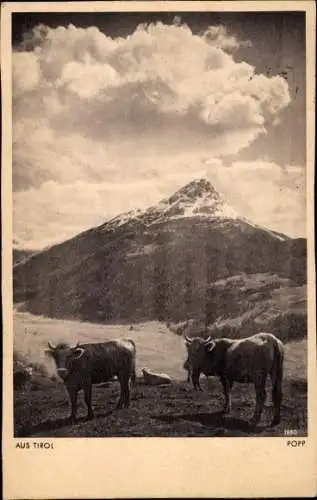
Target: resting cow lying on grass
x,y
152,378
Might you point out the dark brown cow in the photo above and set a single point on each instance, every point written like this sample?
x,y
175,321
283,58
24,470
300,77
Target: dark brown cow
x,y
87,364
248,360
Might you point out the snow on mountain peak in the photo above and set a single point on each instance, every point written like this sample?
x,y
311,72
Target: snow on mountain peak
x,y
196,189
196,199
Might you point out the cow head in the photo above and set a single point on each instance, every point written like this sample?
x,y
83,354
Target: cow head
x,y
64,357
197,348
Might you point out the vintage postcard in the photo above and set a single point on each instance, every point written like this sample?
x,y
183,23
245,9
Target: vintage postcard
x,y
158,272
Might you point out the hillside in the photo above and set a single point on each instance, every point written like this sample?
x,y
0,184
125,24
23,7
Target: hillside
x,y
155,264
19,255
245,304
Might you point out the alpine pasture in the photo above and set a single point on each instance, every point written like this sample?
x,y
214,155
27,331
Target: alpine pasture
x,y
41,405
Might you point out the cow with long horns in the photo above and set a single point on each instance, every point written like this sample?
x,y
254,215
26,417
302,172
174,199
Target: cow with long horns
x,y
83,365
248,360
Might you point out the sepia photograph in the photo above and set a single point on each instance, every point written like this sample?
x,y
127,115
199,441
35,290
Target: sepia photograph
x,y
161,224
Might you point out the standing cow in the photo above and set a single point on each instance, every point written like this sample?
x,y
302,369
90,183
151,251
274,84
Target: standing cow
x,y
87,364
248,360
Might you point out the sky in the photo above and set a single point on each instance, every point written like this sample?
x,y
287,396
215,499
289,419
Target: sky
x,y
113,112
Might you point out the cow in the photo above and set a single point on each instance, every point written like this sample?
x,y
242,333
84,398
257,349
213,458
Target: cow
x,y
83,365
21,375
152,378
249,360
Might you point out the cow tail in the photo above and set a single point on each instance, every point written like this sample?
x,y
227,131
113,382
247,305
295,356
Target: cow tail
x,y
133,373
133,367
277,371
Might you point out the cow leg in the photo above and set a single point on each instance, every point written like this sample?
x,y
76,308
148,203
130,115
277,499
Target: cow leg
x,y
133,381
277,381
227,386
127,393
197,385
195,380
73,400
88,397
186,367
124,399
277,400
120,402
260,400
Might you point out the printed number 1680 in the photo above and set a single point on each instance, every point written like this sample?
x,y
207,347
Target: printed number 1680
x,y
290,432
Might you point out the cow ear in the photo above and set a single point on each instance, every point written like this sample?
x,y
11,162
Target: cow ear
x,y
48,353
78,352
210,346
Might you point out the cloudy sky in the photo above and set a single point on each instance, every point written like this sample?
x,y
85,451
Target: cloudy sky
x,y
115,111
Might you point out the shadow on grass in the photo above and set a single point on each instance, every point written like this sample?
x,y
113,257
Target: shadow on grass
x,y
299,385
52,425
216,420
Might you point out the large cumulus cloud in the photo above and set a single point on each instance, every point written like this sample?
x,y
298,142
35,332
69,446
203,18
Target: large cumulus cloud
x,y
160,81
265,193
89,109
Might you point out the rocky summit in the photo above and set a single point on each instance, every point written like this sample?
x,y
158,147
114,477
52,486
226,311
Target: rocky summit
x,y
197,199
157,263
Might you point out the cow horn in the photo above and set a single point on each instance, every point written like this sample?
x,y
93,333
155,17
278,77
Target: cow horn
x,y
78,352
210,346
187,339
76,346
50,346
208,340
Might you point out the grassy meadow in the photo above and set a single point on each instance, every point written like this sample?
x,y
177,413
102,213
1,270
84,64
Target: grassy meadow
x,y
41,407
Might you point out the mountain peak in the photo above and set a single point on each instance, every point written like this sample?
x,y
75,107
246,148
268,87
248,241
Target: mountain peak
x,y
198,198
198,185
196,189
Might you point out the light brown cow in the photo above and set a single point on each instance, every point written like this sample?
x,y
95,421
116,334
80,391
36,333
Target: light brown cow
x,y
248,360
152,378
